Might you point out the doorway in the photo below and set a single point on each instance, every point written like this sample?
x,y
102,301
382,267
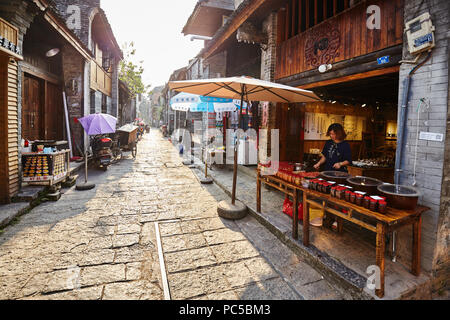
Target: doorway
x,y
289,122
32,102
54,113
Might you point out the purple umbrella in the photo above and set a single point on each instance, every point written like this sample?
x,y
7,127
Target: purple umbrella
x,y
99,123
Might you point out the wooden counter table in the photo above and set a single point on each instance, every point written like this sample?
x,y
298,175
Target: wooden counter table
x,y
384,223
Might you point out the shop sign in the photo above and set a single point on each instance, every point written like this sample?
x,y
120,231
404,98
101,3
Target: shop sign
x,y
7,32
43,178
8,45
383,60
430,136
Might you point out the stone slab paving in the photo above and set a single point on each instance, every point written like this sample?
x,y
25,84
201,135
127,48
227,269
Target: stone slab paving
x,y
102,243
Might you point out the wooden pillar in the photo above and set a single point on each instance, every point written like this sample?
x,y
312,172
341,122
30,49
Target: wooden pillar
x,y
295,216
258,192
417,235
380,242
305,221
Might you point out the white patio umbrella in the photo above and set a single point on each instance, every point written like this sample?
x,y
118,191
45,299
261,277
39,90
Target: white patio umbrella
x,y
195,103
240,88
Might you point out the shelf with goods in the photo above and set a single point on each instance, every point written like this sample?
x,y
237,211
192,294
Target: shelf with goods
x,y
45,168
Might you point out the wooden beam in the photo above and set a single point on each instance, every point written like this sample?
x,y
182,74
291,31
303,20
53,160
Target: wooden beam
x,y
352,77
236,23
334,7
324,10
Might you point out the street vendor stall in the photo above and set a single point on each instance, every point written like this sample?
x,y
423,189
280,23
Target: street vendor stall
x,y
377,207
45,168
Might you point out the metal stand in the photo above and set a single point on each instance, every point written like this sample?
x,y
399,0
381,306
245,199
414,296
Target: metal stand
x,y
86,185
206,179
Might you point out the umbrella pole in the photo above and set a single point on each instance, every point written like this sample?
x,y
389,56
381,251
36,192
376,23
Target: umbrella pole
x,y
233,193
85,185
85,166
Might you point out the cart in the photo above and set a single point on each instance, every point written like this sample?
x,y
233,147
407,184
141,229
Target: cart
x,y
125,139
45,169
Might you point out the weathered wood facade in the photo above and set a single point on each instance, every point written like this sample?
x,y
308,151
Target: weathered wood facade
x,y
9,111
340,37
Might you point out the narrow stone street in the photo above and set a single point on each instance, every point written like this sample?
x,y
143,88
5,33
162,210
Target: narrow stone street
x,y
103,243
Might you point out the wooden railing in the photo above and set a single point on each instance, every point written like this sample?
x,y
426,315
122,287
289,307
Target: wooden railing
x,y
100,79
342,37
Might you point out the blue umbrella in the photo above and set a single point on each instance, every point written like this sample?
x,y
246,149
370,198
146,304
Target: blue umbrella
x,y
195,103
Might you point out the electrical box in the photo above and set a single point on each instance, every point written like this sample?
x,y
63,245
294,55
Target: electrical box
x,y
420,34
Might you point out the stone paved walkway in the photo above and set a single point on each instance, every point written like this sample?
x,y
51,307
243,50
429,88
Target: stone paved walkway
x,y
102,243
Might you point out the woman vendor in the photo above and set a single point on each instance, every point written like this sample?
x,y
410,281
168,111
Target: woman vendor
x,y
336,154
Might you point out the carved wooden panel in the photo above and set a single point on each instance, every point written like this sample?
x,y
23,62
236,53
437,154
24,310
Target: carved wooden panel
x,y
322,45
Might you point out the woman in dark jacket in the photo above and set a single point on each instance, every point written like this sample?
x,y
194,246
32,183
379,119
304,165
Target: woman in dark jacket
x,y
336,154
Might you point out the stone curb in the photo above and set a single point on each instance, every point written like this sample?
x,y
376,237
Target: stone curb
x,y
13,211
17,209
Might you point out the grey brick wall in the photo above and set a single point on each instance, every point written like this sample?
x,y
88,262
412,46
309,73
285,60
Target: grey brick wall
x,y
268,64
98,102
86,7
429,82
115,90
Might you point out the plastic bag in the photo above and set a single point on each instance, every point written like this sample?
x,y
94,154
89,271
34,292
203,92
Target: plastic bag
x,y
288,208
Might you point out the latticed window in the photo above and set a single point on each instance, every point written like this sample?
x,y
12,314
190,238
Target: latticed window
x,y
301,15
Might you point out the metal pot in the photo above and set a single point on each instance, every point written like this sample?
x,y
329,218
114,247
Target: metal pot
x,y
399,196
365,184
336,176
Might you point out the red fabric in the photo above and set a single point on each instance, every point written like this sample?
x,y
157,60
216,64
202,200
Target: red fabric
x,y
288,208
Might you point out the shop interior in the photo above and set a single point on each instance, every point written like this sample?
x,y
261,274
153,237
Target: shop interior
x,y
367,109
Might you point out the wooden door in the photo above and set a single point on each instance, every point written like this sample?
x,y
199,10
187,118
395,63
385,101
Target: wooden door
x,y
289,122
31,108
54,112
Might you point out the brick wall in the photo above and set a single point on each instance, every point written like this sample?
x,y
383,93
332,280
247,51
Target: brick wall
x,y
86,7
115,90
429,82
215,66
98,102
73,70
20,13
268,61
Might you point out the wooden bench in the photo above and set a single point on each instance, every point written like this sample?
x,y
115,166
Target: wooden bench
x,y
384,223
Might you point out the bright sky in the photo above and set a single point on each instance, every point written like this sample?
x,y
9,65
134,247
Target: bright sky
x,y
155,28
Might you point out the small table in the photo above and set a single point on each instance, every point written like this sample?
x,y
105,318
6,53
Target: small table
x,y
385,223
